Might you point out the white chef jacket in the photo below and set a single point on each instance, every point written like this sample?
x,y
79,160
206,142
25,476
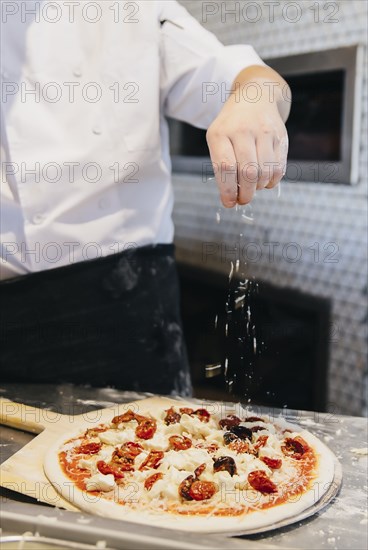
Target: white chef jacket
x,y
85,90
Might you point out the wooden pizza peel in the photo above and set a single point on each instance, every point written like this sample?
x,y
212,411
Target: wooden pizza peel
x,y
23,472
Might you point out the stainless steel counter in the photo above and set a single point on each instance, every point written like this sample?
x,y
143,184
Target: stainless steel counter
x,y
342,525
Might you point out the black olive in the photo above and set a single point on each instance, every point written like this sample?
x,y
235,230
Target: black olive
x,y
185,486
242,432
229,437
256,428
229,421
225,463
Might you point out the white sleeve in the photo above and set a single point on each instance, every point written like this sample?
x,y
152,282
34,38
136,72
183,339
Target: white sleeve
x,y
197,71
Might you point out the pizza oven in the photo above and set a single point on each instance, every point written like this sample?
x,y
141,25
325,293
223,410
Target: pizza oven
x,y
323,126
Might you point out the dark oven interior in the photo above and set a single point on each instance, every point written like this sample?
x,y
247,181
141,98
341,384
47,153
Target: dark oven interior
x,y
287,367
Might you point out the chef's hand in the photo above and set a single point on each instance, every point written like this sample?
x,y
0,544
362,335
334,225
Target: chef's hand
x,y
248,141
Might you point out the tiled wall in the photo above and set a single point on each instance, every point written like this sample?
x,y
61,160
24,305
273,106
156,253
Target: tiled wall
x,y
327,223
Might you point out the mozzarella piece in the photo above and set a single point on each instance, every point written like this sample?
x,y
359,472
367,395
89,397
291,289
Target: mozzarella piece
x,y
117,437
172,429
227,484
272,448
216,436
69,446
139,459
100,482
157,489
89,464
168,487
158,442
106,453
187,460
196,427
171,490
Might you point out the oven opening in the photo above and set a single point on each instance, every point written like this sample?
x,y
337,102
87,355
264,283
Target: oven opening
x,y
315,122
323,126
314,125
288,367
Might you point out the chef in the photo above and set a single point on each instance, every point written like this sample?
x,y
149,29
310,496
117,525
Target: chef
x,y
88,290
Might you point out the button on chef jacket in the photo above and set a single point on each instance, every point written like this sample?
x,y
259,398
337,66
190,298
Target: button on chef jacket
x,y
84,139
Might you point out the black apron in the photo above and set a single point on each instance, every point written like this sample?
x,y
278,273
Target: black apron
x,y
113,321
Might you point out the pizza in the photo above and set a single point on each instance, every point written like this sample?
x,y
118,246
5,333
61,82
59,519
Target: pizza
x,y
187,467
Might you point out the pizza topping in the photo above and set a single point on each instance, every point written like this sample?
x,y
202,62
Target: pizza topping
x,y
186,410
229,437
185,486
179,442
89,449
103,467
152,461
225,463
241,432
240,446
100,482
126,417
212,448
125,462
256,429
273,463
125,455
122,453
171,417
203,415
261,442
230,421
253,419
202,490
94,432
294,447
199,470
151,480
106,469
132,449
259,480
146,428
191,488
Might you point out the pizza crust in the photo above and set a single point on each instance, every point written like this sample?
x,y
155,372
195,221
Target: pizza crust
x,y
258,519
